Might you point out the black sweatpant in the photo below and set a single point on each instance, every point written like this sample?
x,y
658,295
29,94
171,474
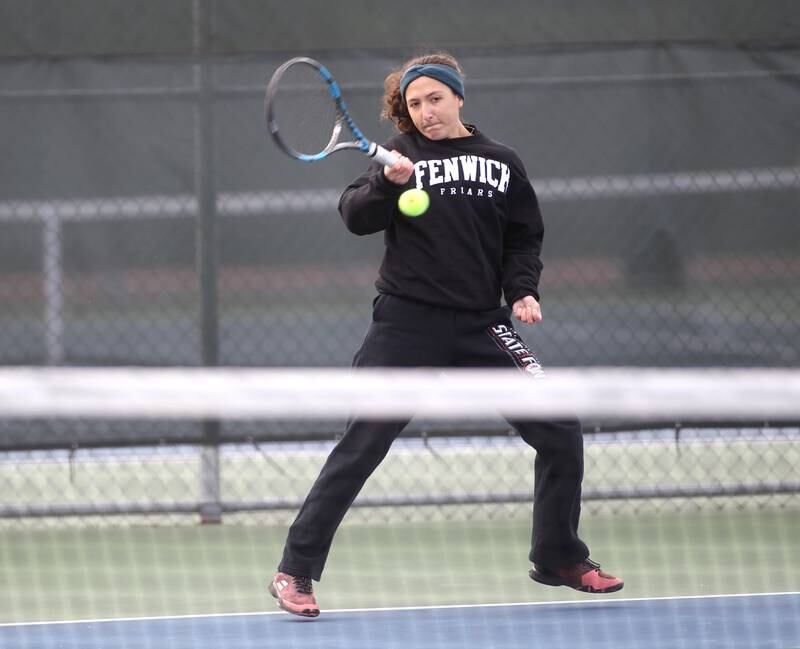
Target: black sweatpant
x,y
406,333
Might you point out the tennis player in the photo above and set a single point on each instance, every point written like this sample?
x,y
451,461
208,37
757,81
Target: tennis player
x,y
439,305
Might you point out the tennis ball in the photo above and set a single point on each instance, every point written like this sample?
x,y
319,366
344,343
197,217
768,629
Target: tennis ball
x,y
414,202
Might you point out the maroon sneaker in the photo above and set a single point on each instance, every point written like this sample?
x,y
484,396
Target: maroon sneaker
x,y
294,594
585,576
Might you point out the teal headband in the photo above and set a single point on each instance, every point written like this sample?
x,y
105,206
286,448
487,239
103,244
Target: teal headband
x,y
444,73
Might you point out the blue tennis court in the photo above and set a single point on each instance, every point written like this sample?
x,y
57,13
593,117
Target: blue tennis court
x,y
768,621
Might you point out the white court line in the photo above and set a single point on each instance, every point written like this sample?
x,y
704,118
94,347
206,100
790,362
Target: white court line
x,y
406,608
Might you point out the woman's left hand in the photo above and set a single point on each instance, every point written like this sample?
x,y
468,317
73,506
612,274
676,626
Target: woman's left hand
x,y
527,310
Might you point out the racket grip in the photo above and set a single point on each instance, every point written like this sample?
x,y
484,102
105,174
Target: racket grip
x,y
381,155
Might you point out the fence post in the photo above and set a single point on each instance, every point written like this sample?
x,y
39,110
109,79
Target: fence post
x,y
210,505
53,273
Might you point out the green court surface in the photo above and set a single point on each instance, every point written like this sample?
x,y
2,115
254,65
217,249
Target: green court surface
x,y
67,572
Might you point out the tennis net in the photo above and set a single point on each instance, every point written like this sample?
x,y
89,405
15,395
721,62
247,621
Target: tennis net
x,y
136,494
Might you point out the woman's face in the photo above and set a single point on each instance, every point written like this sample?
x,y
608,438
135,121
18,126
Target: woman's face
x,y
434,108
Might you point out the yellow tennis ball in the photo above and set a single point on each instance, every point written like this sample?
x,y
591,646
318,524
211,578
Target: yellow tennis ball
x,y
413,202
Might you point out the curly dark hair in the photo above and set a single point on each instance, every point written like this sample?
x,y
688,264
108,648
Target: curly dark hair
x,y
394,105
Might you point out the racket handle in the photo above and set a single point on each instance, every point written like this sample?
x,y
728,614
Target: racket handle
x,y
381,155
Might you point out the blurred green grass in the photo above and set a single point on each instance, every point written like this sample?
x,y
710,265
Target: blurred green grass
x,y
502,466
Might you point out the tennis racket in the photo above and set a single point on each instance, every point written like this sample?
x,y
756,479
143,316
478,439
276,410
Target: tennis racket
x,y
306,112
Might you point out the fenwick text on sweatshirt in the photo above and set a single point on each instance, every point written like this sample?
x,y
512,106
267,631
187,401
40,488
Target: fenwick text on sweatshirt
x,y
480,238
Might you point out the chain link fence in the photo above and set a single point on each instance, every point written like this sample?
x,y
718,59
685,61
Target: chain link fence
x,y
146,219
423,478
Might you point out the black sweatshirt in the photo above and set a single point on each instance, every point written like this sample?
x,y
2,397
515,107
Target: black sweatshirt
x,y
481,235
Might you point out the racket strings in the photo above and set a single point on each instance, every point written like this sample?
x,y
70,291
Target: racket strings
x,y
304,110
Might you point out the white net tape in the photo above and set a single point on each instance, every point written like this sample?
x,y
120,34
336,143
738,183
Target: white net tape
x,y
236,393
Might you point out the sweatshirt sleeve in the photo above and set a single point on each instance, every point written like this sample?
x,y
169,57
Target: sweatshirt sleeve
x,y
367,204
522,242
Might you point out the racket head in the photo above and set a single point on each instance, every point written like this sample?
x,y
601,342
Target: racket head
x,y
305,111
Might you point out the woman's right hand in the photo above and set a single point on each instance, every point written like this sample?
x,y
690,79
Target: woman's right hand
x,y
400,171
